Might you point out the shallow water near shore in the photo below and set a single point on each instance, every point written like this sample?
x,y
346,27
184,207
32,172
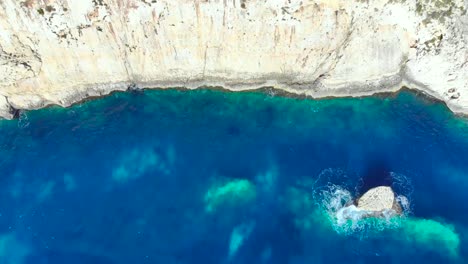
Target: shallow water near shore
x,y
203,176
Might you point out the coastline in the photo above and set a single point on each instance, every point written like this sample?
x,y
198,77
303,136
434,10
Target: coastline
x,y
60,53
100,91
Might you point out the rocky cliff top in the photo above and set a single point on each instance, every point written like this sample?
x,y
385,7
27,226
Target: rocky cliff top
x,y
61,51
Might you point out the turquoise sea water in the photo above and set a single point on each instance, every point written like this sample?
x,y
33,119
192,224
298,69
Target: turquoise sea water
x,y
207,176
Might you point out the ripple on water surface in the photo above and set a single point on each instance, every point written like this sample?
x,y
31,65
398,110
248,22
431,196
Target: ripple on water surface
x,y
169,176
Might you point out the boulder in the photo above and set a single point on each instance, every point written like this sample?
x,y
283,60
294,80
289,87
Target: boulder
x,y
377,199
379,202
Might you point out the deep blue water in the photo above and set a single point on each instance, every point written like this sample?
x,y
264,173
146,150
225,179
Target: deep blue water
x,y
169,176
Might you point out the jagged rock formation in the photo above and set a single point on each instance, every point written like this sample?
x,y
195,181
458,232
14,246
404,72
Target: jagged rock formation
x,y
61,51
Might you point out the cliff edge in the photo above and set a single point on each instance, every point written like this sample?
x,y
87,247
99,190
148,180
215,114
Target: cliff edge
x,y
61,51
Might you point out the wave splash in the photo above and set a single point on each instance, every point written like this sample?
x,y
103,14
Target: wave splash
x,y
335,193
337,203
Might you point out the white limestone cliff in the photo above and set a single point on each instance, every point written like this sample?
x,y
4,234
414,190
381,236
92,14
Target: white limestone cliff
x,y
61,51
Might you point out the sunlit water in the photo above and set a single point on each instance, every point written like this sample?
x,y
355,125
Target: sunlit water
x,y
214,177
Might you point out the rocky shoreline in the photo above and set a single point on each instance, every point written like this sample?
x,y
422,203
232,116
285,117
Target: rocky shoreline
x,y
62,52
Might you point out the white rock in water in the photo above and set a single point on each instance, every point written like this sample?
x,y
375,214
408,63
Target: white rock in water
x,y
377,199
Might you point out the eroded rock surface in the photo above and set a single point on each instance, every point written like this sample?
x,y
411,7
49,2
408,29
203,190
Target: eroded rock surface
x,y
377,202
377,199
61,51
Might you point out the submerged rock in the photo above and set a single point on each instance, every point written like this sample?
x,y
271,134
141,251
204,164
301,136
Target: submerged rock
x,y
238,236
431,234
231,193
